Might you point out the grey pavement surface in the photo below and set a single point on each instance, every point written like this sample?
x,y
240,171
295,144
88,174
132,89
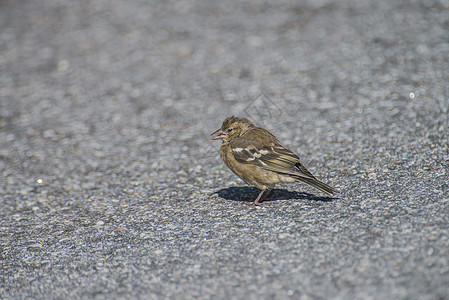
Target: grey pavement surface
x,y
111,188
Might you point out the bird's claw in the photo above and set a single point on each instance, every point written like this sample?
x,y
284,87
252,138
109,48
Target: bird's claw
x,y
253,204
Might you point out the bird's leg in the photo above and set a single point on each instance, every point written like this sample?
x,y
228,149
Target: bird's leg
x,y
267,194
256,202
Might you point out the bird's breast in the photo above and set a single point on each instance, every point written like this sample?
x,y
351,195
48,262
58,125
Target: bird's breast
x,y
249,173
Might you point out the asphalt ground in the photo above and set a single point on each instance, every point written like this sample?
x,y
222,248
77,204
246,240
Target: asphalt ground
x,y
110,186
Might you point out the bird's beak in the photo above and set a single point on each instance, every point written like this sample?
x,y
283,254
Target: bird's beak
x,y
219,135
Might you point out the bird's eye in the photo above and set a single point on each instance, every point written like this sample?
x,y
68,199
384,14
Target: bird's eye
x,y
230,129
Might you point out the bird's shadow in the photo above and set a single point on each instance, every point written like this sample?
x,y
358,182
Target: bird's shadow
x,y
249,194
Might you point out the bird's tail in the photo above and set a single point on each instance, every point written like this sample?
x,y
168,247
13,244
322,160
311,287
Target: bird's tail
x,y
317,184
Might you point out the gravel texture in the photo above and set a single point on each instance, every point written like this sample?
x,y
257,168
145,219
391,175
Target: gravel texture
x,y
110,186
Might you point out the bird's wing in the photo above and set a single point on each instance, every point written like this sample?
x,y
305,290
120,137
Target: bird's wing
x,y
275,158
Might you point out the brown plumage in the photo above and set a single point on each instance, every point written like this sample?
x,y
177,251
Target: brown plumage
x,y
258,158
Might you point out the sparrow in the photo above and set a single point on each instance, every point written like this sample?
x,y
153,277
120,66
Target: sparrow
x,y
258,158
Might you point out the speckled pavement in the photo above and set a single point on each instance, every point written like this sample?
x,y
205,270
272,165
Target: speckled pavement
x,y
110,187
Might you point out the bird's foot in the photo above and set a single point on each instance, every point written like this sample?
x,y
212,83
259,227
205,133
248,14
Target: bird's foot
x,y
255,203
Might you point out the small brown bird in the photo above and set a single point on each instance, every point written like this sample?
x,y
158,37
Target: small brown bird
x,y
257,157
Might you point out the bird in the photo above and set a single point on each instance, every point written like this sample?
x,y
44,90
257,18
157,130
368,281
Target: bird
x,y
258,158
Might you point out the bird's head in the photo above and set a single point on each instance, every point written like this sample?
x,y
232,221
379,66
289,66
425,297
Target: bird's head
x,y
231,128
